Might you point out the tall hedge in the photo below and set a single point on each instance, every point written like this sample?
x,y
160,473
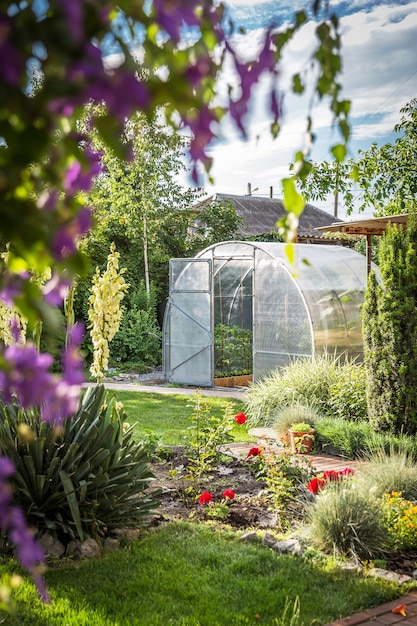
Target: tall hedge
x,y
390,333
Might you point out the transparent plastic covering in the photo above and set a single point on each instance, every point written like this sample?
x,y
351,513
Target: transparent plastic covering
x,y
243,306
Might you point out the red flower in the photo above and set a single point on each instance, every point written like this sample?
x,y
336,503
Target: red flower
x,y
240,418
205,497
315,485
348,471
254,452
229,493
331,475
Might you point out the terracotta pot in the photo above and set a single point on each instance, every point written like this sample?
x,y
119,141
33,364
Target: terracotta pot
x,y
302,442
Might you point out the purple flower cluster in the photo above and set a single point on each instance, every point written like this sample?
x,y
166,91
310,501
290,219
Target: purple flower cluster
x,y
12,520
26,376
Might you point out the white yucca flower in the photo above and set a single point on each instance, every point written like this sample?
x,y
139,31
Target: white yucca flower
x,y
8,315
105,311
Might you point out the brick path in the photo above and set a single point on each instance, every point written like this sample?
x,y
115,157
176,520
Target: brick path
x,y
383,615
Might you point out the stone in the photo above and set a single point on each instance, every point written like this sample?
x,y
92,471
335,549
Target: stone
x,y
269,539
89,549
74,549
53,547
249,535
288,546
111,544
377,572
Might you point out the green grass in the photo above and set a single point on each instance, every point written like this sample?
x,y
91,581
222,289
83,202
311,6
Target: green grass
x,y
186,574
168,416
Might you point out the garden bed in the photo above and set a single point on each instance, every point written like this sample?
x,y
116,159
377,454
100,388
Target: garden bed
x,y
249,510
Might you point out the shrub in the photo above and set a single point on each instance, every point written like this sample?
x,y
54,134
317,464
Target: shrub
x,y
347,398
139,337
85,480
345,520
315,383
206,435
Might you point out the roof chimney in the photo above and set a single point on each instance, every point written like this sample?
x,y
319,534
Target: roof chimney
x,y
249,189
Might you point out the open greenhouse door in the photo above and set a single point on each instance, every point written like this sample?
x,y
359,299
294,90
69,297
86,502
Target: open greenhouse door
x,y
187,332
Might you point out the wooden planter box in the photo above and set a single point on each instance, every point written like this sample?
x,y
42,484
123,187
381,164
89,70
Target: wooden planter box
x,y
233,381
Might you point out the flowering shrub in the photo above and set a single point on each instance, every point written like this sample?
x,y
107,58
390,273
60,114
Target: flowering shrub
x,y
400,517
219,510
317,483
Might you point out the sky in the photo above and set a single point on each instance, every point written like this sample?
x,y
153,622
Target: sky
x,y
379,51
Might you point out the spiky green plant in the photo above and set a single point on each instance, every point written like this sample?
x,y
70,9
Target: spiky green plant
x,y
83,481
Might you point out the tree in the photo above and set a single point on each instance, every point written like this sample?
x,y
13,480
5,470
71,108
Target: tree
x,y
142,194
386,175
389,330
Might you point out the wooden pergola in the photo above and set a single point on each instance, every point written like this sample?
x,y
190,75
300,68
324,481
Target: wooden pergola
x,y
367,227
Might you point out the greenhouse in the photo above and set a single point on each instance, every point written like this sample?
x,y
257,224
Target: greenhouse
x,y
244,308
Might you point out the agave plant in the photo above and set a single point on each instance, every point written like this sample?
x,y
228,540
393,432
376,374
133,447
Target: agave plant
x,y
84,480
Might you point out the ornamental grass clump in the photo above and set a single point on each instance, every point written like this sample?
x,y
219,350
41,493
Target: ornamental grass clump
x,y
311,382
347,521
385,472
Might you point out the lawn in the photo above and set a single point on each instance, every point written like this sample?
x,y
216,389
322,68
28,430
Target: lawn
x,y
186,574
168,416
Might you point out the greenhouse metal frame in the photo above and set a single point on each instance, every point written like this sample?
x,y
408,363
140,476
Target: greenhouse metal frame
x,y
285,310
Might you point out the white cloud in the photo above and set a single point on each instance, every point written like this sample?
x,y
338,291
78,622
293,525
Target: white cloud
x,y
379,48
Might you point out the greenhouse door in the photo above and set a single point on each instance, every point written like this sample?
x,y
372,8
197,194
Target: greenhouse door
x,y
187,334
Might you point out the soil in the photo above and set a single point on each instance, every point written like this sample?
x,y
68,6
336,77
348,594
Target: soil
x,y
249,510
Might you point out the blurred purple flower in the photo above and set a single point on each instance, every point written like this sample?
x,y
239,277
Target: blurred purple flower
x,y
12,67
73,12
12,286
65,242
79,178
26,375
56,289
172,15
200,123
121,90
12,521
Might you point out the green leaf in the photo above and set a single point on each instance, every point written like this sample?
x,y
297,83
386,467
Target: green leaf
x,y
72,502
339,152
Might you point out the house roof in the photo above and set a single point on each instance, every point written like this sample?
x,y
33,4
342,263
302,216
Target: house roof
x,y
261,215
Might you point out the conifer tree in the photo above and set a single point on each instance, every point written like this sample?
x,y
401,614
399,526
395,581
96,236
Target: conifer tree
x,y
390,333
